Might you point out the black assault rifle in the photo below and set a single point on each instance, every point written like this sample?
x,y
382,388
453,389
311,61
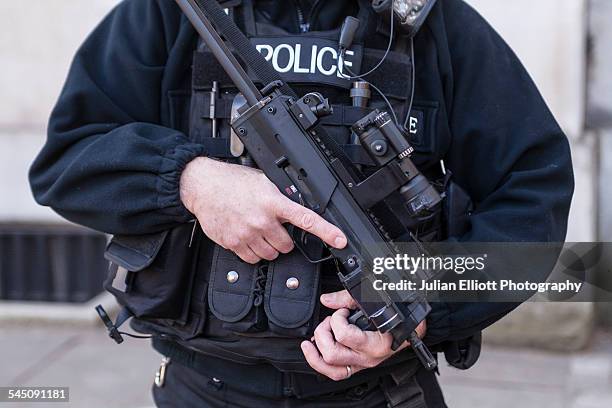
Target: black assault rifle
x,y
281,133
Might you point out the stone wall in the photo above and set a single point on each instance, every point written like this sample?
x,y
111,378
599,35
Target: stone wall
x,y
39,38
599,120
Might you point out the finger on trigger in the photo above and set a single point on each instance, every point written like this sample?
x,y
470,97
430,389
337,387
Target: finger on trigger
x,y
313,223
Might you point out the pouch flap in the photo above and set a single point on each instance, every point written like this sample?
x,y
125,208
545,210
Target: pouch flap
x,y
463,354
231,288
134,252
291,290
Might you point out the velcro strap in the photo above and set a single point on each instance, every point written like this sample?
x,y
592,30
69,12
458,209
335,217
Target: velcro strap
x,y
392,77
134,252
206,69
218,147
223,107
345,115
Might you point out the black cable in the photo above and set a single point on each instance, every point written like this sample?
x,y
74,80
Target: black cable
x,y
413,83
134,336
382,60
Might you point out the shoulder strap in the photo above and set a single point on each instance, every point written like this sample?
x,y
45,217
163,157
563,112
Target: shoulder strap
x,y
247,52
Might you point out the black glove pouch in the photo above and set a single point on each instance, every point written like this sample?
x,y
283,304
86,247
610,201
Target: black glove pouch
x,y
290,309
259,299
237,302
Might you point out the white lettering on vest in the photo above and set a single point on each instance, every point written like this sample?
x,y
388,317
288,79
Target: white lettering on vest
x,y
344,63
320,67
324,61
268,50
414,123
313,59
277,51
298,57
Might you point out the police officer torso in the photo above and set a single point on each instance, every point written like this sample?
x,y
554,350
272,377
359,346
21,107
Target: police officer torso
x,y
260,313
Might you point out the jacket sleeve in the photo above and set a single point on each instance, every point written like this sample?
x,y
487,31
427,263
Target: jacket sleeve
x,y
507,151
107,163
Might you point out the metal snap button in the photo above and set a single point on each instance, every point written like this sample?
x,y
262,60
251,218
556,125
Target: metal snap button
x,y
293,283
232,276
215,382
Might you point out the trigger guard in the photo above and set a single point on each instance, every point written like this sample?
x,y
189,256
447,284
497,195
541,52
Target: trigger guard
x,y
302,241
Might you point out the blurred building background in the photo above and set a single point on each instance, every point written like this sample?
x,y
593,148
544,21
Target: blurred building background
x,y
565,45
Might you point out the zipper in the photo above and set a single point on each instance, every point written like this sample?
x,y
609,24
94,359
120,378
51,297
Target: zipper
x,y
303,20
302,23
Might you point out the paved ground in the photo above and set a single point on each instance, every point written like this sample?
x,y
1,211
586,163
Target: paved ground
x,y
102,374
527,378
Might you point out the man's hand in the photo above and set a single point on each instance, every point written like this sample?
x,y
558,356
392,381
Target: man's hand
x,y
337,344
240,209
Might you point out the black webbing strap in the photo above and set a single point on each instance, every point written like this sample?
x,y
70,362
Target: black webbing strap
x,y
247,52
218,147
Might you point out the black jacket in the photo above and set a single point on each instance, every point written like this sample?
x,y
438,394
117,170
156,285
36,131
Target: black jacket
x,y
113,161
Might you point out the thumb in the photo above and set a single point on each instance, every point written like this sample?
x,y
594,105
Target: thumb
x,y
338,300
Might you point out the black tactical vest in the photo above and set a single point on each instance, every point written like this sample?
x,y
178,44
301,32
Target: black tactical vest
x,y
179,285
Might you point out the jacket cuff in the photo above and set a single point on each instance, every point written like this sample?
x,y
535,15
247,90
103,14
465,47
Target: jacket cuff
x,y
438,324
168,185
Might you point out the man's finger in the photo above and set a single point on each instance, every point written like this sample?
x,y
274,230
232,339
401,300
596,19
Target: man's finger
x,y
421,329
279,238
263,249
311,222
247,255
369,345
348,334
315,360
338,300
333,353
